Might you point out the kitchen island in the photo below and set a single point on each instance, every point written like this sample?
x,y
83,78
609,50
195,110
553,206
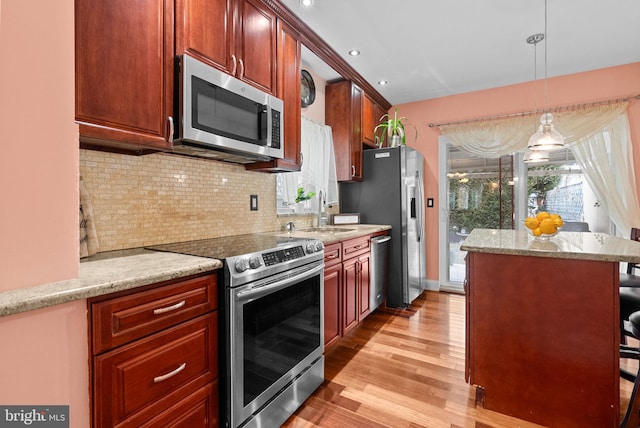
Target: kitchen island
x,y
542,333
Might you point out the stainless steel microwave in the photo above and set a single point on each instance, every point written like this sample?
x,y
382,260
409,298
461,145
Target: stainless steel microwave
x,y
223,118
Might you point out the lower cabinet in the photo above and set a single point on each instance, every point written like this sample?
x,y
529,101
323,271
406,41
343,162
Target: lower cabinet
x,y
332,294
355,270
155,356
346,286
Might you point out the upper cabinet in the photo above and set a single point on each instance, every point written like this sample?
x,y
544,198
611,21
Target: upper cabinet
x,y
235,36
288,72
353,115
124,73
125,76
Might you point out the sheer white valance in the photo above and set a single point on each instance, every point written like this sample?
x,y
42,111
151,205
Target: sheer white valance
x,y
493,138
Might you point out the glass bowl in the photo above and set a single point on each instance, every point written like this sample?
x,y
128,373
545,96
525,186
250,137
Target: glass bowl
x,y
544,236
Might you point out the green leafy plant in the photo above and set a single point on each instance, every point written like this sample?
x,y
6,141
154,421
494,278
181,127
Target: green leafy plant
x,y
301,195
392,126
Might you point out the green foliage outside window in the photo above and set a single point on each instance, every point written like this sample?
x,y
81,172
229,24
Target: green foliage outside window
x,y
483,207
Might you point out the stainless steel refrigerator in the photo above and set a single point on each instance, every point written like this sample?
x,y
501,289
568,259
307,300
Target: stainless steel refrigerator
x,y
392,192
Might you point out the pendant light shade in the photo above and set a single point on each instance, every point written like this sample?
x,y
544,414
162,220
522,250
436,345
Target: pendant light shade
x,y
536,156
546,137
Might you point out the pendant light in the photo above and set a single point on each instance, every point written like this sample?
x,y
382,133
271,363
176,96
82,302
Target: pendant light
x,y
546,138
536,156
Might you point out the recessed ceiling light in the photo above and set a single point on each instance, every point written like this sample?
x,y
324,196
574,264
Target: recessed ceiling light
x,y
306,3
382,82
354,52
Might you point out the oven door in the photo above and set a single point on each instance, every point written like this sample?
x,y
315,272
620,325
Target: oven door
x,y
276,333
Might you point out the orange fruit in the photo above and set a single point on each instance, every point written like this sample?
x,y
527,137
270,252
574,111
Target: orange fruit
x,y
542,215
536,232
558,221
531,222
547,226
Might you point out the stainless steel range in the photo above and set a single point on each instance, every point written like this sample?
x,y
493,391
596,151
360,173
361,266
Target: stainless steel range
x,y
273,309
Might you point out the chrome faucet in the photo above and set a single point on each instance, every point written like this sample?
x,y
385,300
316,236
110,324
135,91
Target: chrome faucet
x,y
322,219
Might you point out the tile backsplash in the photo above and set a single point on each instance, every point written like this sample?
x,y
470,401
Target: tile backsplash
x,y
161,198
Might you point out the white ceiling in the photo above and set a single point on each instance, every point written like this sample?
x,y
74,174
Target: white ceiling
x,y
429,49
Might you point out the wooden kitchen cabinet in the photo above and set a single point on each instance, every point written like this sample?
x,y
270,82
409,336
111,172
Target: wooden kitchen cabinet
x,y
346,286
343,112
371,114
235,36
549,323
155,355
124,73
288,72
355,273
332,293
352,115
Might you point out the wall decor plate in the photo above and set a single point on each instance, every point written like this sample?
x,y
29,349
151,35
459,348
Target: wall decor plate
x,y
307,89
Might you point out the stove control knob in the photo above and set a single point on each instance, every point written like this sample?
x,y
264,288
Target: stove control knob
x,y
314,247
254,262
241,265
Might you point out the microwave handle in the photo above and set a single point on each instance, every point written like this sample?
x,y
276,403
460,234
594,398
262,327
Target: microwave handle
x,y
263,123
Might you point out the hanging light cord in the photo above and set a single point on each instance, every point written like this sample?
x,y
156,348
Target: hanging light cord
x,y
546,36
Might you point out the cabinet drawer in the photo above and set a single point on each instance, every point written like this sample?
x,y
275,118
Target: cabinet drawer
x,y
151,374
354,247
123,319
198,410
332,254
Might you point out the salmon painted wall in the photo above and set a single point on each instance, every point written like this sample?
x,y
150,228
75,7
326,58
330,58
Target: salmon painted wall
x,y
603,84
39,161
43,360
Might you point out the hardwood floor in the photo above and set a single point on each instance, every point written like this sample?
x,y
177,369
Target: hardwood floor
x,y
394,371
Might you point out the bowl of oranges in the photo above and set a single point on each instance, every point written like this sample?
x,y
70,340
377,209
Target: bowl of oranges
x,y
544,225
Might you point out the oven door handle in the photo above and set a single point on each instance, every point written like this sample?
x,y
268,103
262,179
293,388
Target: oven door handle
x,y
281,282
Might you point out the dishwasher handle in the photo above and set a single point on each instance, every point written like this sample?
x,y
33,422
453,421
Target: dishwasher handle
x,y
380,239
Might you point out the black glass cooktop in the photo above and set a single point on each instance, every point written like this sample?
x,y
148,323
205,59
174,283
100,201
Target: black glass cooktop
x,y
227,246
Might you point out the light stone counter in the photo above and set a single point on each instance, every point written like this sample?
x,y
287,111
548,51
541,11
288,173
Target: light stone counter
x,y
336,233
567,245
104,276
127,269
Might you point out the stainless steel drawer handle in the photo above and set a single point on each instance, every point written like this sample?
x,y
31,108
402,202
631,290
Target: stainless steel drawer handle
x,y
164,377
169,308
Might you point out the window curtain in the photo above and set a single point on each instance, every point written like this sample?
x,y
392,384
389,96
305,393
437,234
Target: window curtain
x,y
606,159
318,170
598,136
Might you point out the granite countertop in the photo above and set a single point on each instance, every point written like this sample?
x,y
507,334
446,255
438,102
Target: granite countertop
x,y
104,274
336,233
567,245
114,271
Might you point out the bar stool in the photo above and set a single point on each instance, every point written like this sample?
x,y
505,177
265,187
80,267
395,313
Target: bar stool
x,y
629,291
632,415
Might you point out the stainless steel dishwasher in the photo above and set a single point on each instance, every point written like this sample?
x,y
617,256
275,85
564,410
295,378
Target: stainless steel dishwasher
x,y
378,270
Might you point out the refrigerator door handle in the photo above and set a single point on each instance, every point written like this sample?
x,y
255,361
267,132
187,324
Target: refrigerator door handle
x,y
420,205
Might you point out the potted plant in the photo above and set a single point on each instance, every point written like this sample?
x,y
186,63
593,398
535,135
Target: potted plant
x,y
301,197
394,128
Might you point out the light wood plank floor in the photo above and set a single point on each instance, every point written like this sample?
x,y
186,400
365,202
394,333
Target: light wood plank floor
x,y
393,371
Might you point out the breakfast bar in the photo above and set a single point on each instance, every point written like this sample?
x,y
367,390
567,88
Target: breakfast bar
x,y
542,325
